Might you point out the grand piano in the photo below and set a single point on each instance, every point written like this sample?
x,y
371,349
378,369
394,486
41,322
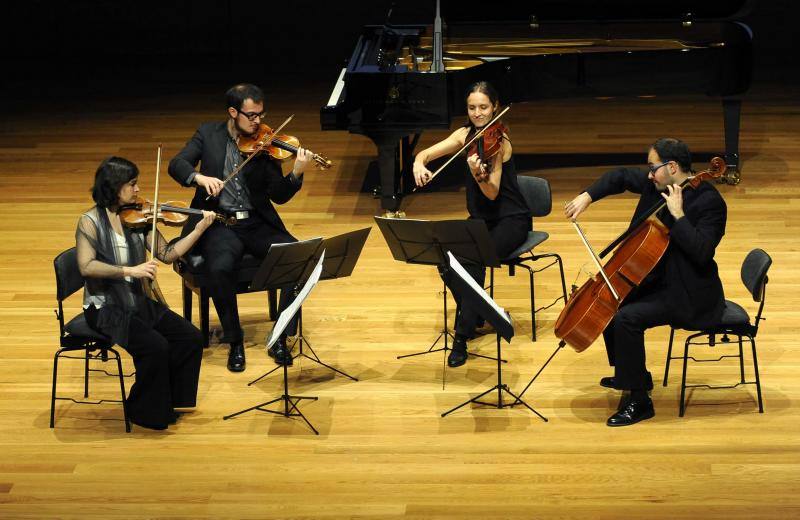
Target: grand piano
x,y
404,78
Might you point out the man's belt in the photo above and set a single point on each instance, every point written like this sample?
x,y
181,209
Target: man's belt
x,y
238,215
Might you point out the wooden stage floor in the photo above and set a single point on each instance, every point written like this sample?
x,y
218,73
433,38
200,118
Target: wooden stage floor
x,y
384,451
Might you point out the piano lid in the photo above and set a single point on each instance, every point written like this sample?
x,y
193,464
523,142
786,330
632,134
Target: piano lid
x,y
574,11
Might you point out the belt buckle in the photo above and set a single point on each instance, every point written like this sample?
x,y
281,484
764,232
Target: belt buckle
x,y
242,215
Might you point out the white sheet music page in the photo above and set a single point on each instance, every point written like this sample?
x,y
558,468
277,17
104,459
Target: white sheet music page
x,y
461,272
286,316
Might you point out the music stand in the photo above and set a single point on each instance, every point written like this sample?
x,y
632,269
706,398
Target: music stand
x,y
288,264
424,242
461,283
341,254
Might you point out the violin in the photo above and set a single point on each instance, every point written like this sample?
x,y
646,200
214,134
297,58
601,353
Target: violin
x,y
489,144
281,147
496,142
172,213
591,308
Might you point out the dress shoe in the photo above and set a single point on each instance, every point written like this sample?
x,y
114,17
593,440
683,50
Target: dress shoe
x,y
458,355
611,382
236,362
281,353
633,411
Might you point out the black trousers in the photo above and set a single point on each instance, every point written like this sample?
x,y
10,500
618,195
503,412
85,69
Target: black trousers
x,y
648,307
507,235
222,248
167,358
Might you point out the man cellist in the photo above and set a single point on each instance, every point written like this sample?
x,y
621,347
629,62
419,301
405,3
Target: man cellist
x,y
683,290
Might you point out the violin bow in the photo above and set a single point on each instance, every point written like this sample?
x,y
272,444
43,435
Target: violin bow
x,y
155,206
153,286
466,145
260,147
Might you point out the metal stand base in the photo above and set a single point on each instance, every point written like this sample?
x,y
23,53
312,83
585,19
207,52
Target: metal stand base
x,y
500,387
289,404
300,353
446,334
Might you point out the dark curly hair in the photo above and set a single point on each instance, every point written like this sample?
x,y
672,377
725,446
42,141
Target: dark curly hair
x,y
110,176
670,149
237,94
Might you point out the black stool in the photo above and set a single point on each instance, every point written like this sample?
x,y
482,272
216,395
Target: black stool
x,y
195,280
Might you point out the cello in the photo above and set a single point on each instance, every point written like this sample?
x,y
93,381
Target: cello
x,y
592,307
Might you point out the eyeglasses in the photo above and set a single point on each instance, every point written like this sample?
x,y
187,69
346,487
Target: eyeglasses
x,y
653,167
251,116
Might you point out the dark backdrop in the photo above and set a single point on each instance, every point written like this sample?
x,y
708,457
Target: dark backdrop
x,y
63,48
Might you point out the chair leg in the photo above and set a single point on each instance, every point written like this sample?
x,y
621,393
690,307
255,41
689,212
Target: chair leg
x,y
669,356
683,378
86,374
187,302
563,282
533,306
741,360
204,327
123,398
758,378
53,393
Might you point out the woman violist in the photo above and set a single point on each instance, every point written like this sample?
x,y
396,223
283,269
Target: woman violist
x,y
493,195
166,349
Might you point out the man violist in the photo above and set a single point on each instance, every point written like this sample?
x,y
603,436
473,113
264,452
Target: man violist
x,y
248,196
683,290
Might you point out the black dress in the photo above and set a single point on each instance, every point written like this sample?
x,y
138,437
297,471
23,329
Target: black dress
x,y
508,220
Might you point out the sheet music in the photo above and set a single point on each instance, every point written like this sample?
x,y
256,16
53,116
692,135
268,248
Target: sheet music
x,y
288,313
460,271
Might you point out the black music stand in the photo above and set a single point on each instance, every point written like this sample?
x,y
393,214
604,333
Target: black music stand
x,y
425,242
341,254
461,283
287,264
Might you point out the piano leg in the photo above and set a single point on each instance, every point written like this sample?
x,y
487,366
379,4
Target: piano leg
x,y
388,170
732,109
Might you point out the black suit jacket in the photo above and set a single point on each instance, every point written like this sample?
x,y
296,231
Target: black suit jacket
x,y
262,175
687,271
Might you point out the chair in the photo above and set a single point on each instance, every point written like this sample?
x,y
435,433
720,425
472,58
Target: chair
x,y
195,280
736,322
536,192
76,335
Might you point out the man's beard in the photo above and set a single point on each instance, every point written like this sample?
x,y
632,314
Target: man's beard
x,y
243,131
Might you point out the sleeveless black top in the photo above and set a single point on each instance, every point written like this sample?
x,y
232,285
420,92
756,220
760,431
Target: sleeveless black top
x,y
509,201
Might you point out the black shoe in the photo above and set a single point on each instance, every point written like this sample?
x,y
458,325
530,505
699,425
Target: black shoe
x,y
175,416
236,362
281,353
633,411
610,382
458,356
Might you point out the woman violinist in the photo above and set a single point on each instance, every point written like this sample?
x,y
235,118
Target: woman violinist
x,y
683,290
166,349
493,195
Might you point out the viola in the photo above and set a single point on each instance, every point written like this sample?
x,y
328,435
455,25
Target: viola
x,y
496,142
489,144
172,213
592,307
280,146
